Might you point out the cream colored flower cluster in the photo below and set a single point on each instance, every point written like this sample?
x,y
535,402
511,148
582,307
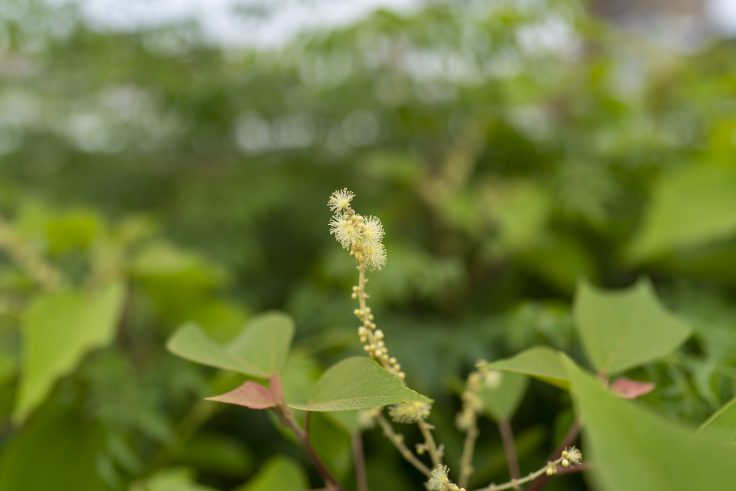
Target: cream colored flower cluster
x,y
362,236
439,480
409,411
482,377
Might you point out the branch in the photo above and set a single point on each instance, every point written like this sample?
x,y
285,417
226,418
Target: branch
x,y
509,447
516,483
434,452
570,437
359,462
288,420
466,461
398,442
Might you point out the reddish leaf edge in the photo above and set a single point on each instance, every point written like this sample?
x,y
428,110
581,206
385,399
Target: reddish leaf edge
x,y
631,389
254,395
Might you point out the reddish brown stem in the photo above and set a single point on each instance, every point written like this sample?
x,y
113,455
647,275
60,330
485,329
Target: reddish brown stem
x,y
509,447
359,462
287,419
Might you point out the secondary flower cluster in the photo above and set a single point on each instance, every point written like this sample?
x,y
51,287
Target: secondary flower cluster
x,y
569,457
438,480
478,379
363,238
409,411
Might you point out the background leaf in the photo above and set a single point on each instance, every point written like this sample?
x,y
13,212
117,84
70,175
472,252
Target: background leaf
x,y
279,473
191,343
692,205
58,329
177,479
265,342
722,424
635,449
260,350
357,383
538,362
501,398
624,329
57,451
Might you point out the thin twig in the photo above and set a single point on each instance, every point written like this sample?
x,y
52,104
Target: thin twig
x,y
287,419
359,462
398,442
516,483
434,452
466,461
570,437
509,447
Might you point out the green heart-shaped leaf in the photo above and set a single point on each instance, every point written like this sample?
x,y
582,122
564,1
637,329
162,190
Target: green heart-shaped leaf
x,y
627,328
538,362
357,383
259,351
635,449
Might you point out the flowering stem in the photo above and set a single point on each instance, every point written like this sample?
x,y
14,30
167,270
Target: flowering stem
x,y
466,461
398,442
516,483
572,435
509,447
434,453
25,257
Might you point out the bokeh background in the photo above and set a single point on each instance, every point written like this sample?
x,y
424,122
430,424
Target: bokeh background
x,y
187,150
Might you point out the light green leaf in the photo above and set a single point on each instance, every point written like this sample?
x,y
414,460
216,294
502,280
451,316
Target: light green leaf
x,y
722,424
626,328
690,206
191,343
279,473
58,450
635,449
264,343
501,397
259,351
176,479
357,383
538,362
58,329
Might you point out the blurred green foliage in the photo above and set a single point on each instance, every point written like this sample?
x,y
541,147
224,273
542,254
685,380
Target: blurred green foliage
x,y
505,162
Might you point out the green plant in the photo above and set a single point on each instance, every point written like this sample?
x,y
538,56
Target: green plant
x,y
619,331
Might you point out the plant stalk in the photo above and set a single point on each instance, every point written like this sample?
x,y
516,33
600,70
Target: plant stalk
x,y
509,447
288,420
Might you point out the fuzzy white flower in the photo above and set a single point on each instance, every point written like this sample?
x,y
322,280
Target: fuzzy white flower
x,y
409,412
339,201
372,230
572,454
344,230
438,480
374,254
